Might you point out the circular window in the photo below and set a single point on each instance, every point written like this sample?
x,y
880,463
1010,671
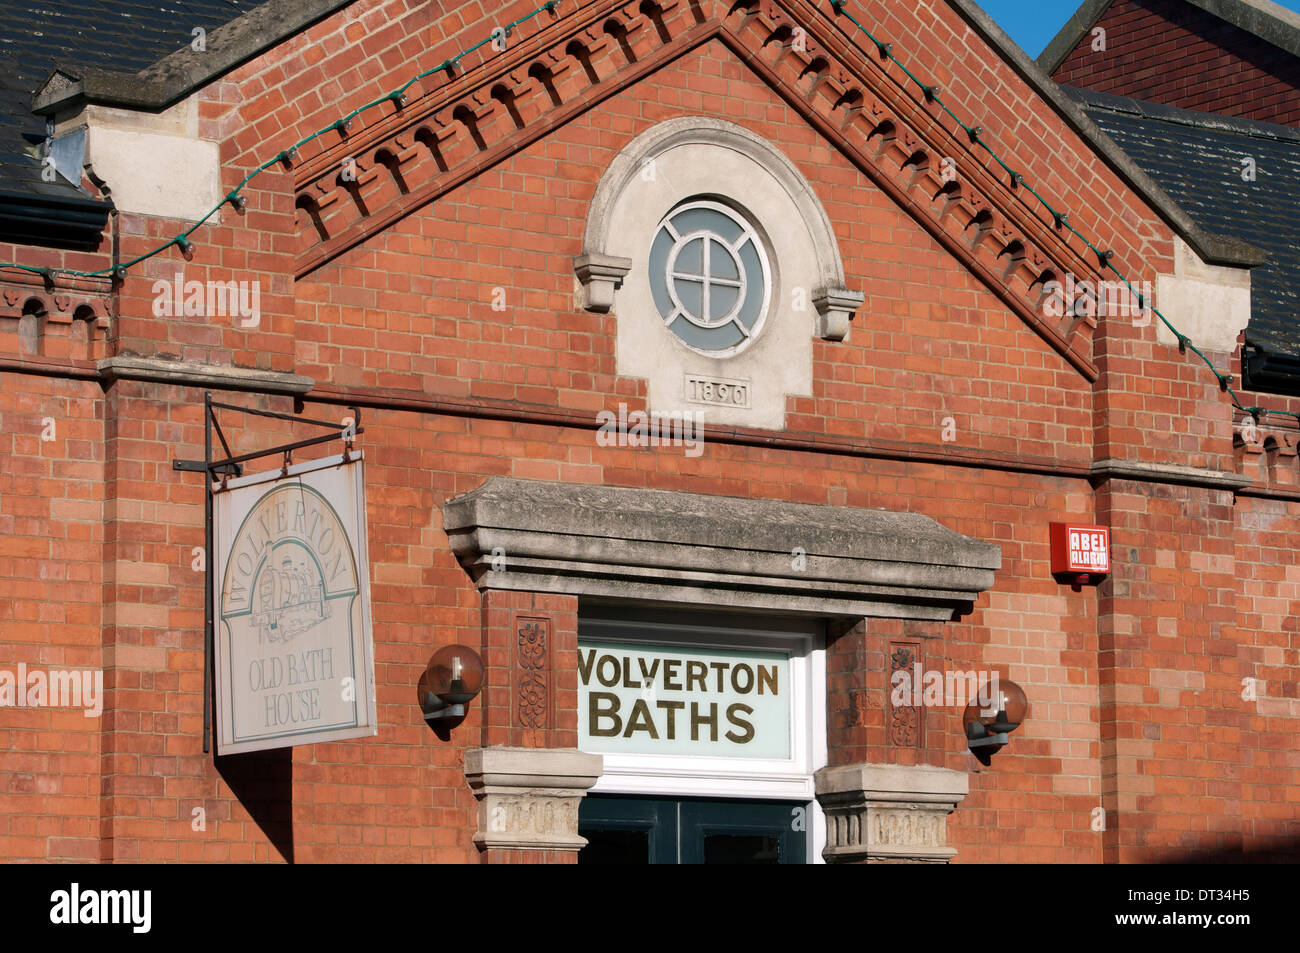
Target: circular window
x,y
709,277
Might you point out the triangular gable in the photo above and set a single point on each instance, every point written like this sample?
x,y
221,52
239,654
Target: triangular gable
x,y
396,158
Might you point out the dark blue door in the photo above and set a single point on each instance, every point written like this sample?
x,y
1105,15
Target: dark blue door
x,y
641,830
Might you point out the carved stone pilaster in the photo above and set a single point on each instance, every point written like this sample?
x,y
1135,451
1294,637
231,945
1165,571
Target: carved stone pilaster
x,y
529,797
889,813
532,671
906,722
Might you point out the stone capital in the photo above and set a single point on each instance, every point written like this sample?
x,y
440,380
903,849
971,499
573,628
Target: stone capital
x,y
889,813
529,797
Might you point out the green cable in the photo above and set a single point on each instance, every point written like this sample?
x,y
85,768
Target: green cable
x,y
283,155
1060,219
886,50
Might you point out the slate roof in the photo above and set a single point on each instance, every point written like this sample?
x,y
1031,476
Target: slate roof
x,y
123,36
1197,159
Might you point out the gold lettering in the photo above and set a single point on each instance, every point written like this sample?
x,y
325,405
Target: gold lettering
x,y
612,680
711,721
627,674
720,668
696,672
584,666
748,727
736,671
641,721
603,705
672,708
649,675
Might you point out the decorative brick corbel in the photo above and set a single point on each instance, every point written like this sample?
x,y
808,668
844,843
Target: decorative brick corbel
x,y
601,276
835,307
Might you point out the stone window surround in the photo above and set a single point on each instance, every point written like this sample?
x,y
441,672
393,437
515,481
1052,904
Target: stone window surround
x,y
702,158
601,273
636,546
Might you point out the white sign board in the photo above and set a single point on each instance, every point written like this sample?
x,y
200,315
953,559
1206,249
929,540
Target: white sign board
x,y
291,591
683,700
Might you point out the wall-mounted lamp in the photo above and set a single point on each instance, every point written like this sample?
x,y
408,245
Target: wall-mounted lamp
x,y
987,734
451,680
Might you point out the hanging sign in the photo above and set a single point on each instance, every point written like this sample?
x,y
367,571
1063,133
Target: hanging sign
x,y
683,700
291,581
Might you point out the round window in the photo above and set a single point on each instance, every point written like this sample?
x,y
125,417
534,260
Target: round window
x,y
709,277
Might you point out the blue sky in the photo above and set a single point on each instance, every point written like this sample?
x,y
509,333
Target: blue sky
x,y
1033,23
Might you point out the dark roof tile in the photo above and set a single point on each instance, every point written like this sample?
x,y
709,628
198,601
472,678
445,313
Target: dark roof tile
x,y
1197,159
124,36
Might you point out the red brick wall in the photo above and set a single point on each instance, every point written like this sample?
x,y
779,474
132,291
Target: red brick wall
x,y
1268,606
51,582
1172,740
455,391
1171,52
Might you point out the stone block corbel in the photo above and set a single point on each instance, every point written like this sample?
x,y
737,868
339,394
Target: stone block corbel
x,y
835,307
601,276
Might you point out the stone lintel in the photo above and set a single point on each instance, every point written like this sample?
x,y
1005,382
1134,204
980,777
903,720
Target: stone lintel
x,y
664,546
192,374
1116,469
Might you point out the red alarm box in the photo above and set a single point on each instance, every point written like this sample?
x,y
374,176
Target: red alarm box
x,y
1077,548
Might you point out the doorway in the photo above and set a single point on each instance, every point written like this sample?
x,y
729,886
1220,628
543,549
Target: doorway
x,y
667,830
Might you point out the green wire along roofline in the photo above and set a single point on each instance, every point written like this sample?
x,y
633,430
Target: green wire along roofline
x,y
235,197
1062,220
930,92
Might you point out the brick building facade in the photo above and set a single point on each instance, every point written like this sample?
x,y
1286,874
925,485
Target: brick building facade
x,y
1236,58
472,288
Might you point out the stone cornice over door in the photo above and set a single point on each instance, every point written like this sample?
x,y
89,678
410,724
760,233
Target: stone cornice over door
x,y
659,546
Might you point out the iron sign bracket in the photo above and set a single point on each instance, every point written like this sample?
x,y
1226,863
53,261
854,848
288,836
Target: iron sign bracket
x,y
224,468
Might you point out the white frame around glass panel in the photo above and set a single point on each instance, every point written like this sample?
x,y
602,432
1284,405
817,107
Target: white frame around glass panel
x,y
691,776
668,282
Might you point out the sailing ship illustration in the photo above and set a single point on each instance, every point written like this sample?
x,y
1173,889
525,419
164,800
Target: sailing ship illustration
x,y
290,601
